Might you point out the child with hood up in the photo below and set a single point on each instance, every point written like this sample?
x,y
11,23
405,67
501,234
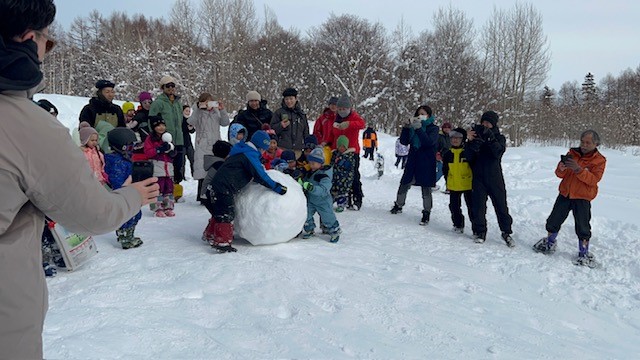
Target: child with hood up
x,y
343,161
91,151
160,149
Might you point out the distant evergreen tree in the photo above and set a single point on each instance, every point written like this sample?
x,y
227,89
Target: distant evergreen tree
x,y
589,94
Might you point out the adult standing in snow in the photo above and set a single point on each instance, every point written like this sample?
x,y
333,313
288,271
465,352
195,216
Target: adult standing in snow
x,y
323,128
484,151
187,130
255,115
580,170
141,124
290,122
35,146
169,106
102,114
369,142
349,123
207,116
422,137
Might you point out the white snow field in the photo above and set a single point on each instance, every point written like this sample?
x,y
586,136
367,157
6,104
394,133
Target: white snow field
x,y
390,289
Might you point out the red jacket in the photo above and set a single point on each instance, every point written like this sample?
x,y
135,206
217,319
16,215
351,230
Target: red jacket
x,y
352,132
323,128
584,184
268,158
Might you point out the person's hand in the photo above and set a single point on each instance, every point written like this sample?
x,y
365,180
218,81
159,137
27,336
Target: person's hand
x,y
416,124
562,166
165,147
202,105
342,125
128,181
471,135
148,190
280,189
572,164
489,135
220,105
284,123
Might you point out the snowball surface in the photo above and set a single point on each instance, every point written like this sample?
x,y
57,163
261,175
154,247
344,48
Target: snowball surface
x,y
264,217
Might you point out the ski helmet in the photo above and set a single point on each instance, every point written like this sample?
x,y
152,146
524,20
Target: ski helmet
x,y
121,140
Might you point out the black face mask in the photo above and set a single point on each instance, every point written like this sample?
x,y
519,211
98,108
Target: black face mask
x,y
19,65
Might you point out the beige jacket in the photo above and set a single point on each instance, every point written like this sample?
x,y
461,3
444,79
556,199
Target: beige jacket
x,y
42,172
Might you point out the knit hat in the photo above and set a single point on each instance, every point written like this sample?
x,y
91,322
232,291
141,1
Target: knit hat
x,y
342,141
221,149
128,106
310,142
85,131
266,127
459,132
145,96
234,130
261,140
447,124
288,155
490,116
253,95
289,92
155,120
333,100
167,80
344,102
316,155
101,84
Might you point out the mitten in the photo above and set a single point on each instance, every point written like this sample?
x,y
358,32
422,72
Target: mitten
x,y
342,125
165,147
417,123
280,189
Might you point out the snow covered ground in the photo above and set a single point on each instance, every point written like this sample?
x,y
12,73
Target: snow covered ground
x,y
389,289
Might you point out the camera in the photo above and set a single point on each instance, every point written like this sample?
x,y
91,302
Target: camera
x,y
479,130
563,158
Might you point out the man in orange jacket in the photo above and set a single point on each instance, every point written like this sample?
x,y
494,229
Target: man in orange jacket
x,y
580,170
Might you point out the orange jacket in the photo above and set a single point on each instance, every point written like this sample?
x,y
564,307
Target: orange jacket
x,y
584,184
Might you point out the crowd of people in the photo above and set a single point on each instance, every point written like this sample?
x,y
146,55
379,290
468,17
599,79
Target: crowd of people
x,y
129,158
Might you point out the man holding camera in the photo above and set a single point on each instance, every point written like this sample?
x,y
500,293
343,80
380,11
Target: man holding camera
x,y
485,150
580,170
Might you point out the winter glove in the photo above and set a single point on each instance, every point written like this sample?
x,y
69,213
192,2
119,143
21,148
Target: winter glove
x,y
342,125
280,189
166,147
306,186
416,124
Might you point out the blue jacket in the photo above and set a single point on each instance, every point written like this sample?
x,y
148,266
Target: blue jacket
x,y
421,163
242,166
119,169
321,192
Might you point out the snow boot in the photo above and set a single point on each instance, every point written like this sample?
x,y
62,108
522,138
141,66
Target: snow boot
x,y
396,209
307,234
335,235
209,232
459,230
585,258
425,218
508,239
168,203
121,234
546,245
129,240
49,270
223,237
479,238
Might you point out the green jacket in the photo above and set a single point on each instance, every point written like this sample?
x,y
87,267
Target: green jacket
x,y
172,115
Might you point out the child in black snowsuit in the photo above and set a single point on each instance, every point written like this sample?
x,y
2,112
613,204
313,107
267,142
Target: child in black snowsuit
x,y
212,163
484,152
242,166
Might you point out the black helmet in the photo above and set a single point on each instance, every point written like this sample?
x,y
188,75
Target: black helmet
x,y
121,137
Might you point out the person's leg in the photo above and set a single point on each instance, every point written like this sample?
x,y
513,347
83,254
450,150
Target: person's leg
x,y
455,206
558,214
439,172
498,196
398,159
404,161
582,216
178,164
401,197
190,152
224,213
479,196
427,199
468,199
357,185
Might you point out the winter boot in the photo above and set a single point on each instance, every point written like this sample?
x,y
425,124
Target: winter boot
x,y
479,238
335,235
49,270
307,234
459,230
157,207
121,234
129,240
168,204
209,232
223,237
341,201
508,239
425,218
546,245
396,209
585,258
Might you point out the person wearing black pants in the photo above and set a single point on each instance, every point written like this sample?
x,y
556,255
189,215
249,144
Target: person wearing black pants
x,y
484,152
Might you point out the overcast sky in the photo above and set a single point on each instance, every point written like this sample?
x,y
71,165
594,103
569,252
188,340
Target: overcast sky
x,y
584,35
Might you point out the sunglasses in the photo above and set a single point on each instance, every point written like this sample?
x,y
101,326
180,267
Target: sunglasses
x,y
146,102
170,85
51,42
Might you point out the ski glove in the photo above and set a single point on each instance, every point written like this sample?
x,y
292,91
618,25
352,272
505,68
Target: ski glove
x,y
417,124
280,189
306,186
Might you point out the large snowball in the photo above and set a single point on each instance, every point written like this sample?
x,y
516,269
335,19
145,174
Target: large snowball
x,y
264,217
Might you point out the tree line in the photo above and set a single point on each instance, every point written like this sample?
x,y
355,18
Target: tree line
x,y
456,67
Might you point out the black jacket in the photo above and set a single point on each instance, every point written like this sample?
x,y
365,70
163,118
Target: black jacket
x,y
242,166
253,119
97,107
485,155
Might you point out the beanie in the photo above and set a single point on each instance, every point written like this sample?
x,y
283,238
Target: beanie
x,y
221,149
289,92
342,141
288,155
333,100
128,106
447,124
261,140
145,96
310,142
156,120
85,131
253,95
101,84
167,80
316,155
459,132
344,102
490,116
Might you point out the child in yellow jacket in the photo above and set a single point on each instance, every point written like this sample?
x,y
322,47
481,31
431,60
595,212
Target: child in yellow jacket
x,y
457,172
